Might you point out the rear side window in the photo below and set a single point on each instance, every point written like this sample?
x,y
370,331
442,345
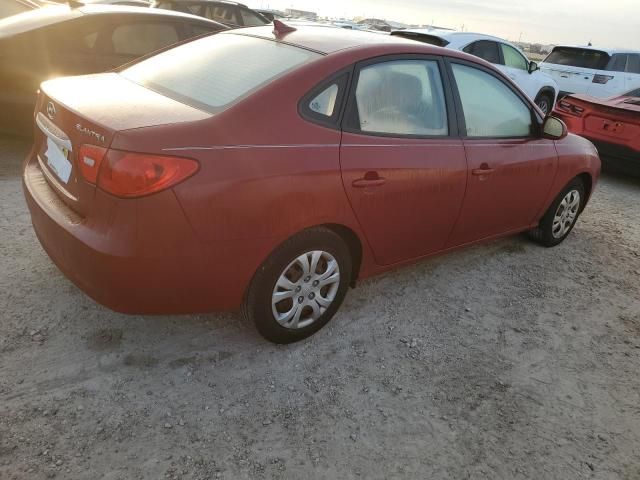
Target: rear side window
x,y
484,49
213,72
223,14
618,63
578,57
403,97
513,58
138,39
491,109
633,63
250,19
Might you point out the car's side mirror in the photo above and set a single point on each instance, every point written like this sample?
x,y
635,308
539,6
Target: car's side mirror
x,y
554,128
533,66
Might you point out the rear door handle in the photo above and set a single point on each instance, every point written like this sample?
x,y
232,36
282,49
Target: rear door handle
x,y
483,170
370,179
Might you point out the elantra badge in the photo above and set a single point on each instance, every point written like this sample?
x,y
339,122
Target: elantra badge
x,y
92,133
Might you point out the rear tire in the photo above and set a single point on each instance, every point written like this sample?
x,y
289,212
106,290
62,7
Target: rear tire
x,y
562,215
299,288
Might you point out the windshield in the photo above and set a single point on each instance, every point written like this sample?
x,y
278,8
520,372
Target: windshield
x,y
214,72
578,57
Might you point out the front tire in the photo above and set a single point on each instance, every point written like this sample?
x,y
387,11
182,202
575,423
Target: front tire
x,y
544,101
561,217
299,288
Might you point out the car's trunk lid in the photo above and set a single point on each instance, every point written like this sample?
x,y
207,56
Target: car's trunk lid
x,y
89,110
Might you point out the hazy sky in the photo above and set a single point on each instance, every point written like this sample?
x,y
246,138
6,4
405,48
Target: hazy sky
x,y
606,23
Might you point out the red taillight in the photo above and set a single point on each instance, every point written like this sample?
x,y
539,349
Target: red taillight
x,y
90,157
564,105
568,106
602,79
128,174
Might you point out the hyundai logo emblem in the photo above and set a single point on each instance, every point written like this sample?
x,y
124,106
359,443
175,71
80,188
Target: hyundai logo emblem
x,y
51,110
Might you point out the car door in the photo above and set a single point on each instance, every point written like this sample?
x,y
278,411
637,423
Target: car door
x,y
516,67
511,168
404,170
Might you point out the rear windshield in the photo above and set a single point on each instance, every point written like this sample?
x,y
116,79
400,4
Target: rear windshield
x,y
578,57
214,72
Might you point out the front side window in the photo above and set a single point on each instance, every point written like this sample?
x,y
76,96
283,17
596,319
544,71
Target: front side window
x,y
491,109
484,49
403,97
137,39
513,58
213,72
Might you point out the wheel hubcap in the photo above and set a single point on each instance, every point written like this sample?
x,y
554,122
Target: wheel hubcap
x,y
305,289
566,214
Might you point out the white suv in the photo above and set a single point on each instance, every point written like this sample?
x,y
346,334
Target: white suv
x,y
593,71
539,86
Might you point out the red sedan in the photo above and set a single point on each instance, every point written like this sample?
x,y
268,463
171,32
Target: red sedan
x,y
613,125
270,169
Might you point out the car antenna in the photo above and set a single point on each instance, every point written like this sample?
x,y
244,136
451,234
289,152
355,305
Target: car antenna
x,y
280,28
75,4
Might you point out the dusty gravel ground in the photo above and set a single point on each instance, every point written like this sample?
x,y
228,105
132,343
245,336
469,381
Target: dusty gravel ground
x,y
504,361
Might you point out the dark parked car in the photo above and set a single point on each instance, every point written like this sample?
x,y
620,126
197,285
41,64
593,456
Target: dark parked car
x,y
61,41
231,14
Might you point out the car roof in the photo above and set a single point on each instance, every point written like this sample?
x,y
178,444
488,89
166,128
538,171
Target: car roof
x,y
327,39
229,2
452,36
610,51
50,15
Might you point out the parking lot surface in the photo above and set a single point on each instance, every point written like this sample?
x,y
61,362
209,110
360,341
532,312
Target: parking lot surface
x,y
505,360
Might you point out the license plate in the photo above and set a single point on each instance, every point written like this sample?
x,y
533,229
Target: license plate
x,y
58,160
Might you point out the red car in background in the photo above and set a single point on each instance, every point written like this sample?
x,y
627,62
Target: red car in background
x,y
270,169
613,125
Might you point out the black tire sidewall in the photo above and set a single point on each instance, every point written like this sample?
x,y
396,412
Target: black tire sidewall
x,y
546,224
257,306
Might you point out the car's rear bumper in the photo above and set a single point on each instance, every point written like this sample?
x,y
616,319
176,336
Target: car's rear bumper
x,y
625,150
141,256
618,157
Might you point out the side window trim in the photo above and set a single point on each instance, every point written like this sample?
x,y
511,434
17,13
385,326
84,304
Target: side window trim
x,y
347,123
462,126
343,79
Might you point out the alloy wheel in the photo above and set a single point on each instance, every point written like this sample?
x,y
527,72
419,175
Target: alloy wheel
x,y
566,214
305,289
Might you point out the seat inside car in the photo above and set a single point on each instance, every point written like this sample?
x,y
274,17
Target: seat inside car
x,y
396,102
